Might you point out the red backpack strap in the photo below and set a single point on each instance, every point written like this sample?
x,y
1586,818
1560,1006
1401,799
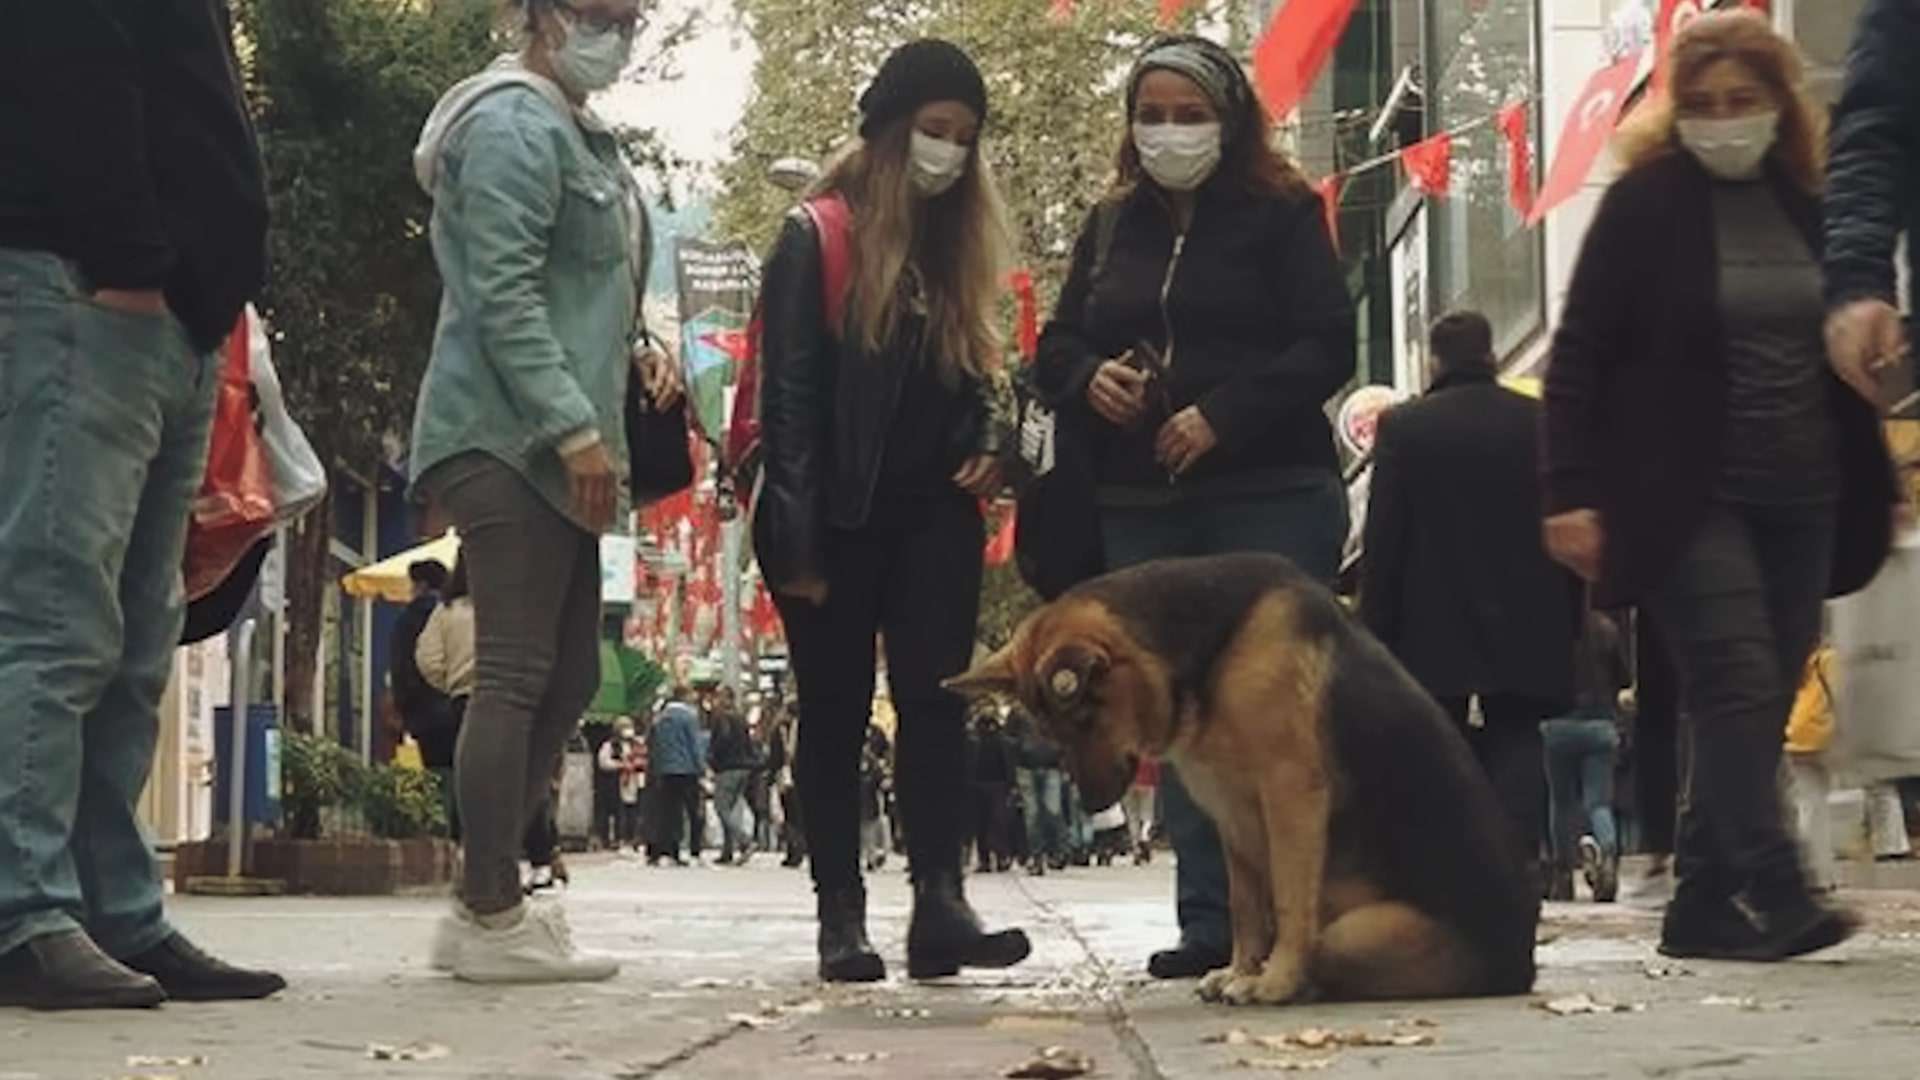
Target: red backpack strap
x,y
833,221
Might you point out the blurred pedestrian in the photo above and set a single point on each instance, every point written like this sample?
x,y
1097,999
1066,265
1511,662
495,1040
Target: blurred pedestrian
x,y
427,712
1581,749
1139,804
992,774
444,662
624,755
676,764
732,760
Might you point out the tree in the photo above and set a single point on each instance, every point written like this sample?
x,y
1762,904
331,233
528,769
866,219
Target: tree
x,y
339,89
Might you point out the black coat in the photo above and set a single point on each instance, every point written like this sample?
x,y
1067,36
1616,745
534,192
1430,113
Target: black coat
x,y
1262,326
1872,192
128,149
826,409
1636,390
1456,580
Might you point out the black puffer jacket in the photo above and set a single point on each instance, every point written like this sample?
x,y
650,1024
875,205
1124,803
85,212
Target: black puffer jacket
x,y
1873,182
826,409
1252,312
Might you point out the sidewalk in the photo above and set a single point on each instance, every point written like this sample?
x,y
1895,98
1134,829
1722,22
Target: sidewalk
x,y
718,983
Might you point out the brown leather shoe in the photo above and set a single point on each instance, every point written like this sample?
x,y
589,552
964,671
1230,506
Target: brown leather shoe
x,y
188,974
68,971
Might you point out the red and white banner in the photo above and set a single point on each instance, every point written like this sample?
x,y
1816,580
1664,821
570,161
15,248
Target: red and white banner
x,y
1429,165
1296,45
1330,189
1513,122
1589,124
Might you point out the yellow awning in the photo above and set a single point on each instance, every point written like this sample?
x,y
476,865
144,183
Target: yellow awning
x,y
387,579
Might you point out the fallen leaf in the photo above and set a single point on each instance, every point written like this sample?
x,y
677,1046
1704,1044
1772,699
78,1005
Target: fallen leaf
x,y
1052,1063
145,1061
904,1014
1667,971
1745,1004
1286,1064
409,1052
1585,1005
1033,1023
1322,1039
864,1057
151,1076
755,1021
1313,1038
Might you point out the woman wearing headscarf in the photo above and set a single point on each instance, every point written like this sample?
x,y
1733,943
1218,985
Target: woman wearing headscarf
x,y
1203,327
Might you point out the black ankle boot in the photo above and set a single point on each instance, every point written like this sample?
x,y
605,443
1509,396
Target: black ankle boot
x,y
845,953
945,934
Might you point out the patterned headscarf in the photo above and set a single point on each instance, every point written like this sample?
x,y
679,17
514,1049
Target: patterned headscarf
x,y
1213,68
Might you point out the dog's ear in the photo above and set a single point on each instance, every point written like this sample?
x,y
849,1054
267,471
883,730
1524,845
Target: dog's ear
x,y
994,675
1070,672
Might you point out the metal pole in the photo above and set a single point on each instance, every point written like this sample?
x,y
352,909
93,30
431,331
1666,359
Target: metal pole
x,y
730,604
237,750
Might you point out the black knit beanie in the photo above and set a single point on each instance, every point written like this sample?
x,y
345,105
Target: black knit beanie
x,y
921,73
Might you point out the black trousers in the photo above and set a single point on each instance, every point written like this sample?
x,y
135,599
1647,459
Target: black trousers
x,y
542,837
993,820
1656,738
1741,613
1513,756
677,816
910,577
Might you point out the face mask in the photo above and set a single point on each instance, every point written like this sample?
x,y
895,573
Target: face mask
x,y
937,164
1179,157
591,60
1731,149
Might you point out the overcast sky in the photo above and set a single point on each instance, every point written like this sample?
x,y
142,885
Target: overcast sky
x,y
697,112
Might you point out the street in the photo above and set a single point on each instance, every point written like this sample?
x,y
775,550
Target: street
x,y
718,983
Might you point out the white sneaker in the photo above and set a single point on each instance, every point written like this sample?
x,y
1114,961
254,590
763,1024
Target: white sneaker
x,y
448,934
537,949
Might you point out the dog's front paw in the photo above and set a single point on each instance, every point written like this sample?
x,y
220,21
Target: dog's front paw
x,y
1274,986
1213,984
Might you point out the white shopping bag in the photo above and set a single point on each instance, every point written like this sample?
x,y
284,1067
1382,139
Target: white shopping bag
x,y
1877,641
299,480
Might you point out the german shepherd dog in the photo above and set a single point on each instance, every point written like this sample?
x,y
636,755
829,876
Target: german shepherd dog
x,y
1367,856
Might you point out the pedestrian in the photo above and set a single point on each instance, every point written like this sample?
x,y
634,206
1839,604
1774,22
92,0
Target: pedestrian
x,y
876,791
676,762
1872,197
539,234
624,755
1581,750
881,436
993,772
1042,785
443,659
133,219
1203,326
1703,462
1809,738
426,711
1456,581
732,760
760,782
1138,804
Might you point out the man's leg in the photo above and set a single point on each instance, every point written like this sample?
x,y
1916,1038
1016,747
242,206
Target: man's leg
x,y
1516,762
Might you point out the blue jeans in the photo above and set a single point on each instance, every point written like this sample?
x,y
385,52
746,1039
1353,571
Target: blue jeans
x,y
1040,794
1580,753
104,418
1307,525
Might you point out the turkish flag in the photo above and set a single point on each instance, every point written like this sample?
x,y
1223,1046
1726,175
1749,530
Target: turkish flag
x,y
1329,190
1027,314
1000,547
1512,122
1673,17
1061,11
1429,164
1589,125
1170,10
1295,46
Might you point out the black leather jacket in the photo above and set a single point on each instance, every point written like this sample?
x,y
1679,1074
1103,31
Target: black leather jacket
x,y
1871,194
825,411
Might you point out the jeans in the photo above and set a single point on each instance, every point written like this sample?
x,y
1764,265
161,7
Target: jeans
x,y
676,808
912,577
1308,525
1041,795
1580,757
536,603
104,419
1741,613
730,802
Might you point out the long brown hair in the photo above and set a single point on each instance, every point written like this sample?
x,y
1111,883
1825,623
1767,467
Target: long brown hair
x,y
956,242
1743,36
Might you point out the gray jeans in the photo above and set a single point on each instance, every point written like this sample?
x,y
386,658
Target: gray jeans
x,y
536,602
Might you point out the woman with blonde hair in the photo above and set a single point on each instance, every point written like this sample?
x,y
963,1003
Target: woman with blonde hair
x,y
1703,463
880,436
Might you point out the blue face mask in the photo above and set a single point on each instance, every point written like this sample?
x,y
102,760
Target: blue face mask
x,y
589,59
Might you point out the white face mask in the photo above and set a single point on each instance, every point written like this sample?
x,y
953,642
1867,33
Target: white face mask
x,y
591,60
938,164
1179,157
1731,149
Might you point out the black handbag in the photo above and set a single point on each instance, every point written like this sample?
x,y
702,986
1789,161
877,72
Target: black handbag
x,y
658,458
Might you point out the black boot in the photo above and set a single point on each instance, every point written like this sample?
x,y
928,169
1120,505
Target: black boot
x,y
68,971
845,953
188,974
945,934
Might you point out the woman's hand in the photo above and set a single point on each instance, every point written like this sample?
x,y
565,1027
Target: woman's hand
x,y
1865,338
1184,440
1118,392
979,476
1576,540
595,487
659,375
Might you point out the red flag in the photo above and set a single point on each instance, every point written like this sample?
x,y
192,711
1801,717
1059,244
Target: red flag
x,y
1028,325
1588,126
1673,16
1514,127
1429,164
1329,190
1295,46
1061,11
1000,547
1170,10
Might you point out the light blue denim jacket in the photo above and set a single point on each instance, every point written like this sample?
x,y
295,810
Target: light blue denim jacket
x,y
536,230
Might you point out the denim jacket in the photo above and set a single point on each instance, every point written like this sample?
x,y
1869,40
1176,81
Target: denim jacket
x,y
536,230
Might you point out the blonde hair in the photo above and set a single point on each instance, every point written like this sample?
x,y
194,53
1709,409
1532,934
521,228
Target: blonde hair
x,y
1746,38
956,242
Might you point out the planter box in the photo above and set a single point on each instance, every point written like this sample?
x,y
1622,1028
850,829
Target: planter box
x,y
358,866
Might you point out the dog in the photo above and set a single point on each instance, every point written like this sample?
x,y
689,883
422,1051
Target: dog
x,y
1368,858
